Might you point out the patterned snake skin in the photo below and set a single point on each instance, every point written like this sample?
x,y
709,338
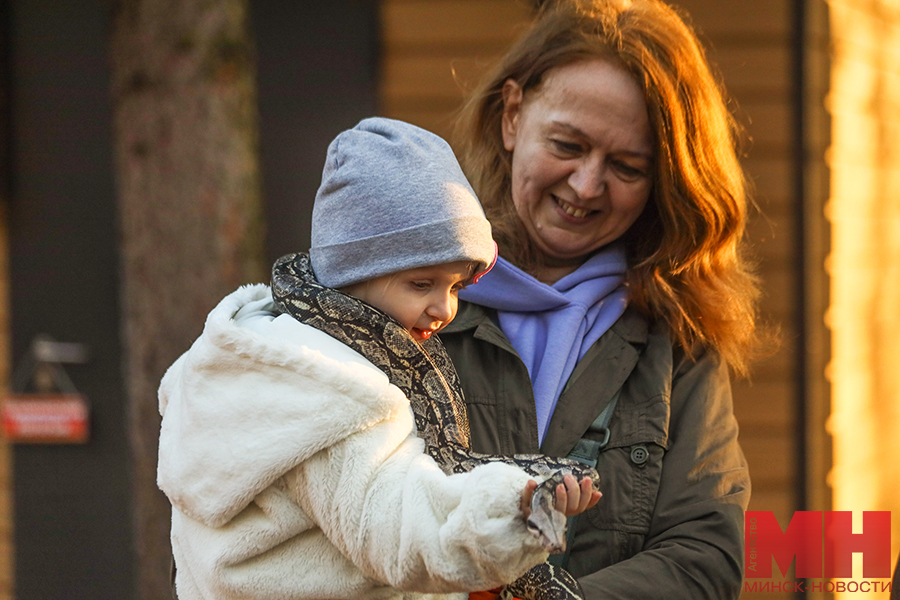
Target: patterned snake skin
x,y
424,372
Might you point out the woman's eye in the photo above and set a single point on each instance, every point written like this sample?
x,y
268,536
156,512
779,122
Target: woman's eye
x,y
630,172
566,147
421,285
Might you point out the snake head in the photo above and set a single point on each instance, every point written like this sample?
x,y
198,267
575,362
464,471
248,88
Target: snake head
x,y
550,529
545,522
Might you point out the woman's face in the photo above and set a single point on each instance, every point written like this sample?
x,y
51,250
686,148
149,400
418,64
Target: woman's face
x,y
582,158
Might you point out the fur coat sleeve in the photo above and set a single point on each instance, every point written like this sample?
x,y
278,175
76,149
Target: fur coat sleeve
x,y
294,472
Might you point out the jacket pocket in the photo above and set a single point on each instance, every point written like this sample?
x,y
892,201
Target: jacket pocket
x,y
630,468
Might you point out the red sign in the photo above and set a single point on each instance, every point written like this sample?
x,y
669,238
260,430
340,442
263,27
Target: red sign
x,y
45,418
823,544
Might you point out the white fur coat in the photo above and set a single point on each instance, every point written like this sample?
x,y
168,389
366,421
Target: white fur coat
x,y
294,472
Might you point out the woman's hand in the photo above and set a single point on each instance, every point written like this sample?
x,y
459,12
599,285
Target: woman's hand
x,y
572,498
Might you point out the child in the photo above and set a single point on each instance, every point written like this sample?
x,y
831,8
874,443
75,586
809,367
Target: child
x,y
291,461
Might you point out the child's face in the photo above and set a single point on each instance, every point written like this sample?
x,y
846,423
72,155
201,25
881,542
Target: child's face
x,y
423,300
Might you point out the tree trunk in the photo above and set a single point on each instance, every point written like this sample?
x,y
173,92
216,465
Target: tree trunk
x,y
186,144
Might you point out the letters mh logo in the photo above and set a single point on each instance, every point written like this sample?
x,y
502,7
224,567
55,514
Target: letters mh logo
x,y
822,542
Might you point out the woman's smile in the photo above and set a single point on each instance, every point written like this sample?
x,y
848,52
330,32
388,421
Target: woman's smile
x,y
576,213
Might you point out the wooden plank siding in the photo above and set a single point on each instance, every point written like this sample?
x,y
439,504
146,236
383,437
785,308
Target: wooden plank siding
x,y
434,49
863,210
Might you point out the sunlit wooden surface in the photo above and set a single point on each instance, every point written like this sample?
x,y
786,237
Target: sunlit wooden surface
x,y
864,210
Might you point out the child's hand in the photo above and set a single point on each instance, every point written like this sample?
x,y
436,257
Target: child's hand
x,y
573,499
525,502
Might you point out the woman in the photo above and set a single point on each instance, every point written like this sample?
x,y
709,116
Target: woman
x,y
604,156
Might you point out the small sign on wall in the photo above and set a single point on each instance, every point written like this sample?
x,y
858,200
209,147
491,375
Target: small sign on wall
x,y
45,418
44,406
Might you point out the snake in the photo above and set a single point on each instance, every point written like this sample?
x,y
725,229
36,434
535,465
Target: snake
x,y
425,373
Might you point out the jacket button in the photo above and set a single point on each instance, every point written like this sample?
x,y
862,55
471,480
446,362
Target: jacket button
x,y
639,455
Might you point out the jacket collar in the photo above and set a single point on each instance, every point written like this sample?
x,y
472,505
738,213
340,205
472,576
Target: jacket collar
x,y
632,326
468,316
481,319
613,357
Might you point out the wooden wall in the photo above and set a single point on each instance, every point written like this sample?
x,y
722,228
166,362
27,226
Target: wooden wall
x,y
432,49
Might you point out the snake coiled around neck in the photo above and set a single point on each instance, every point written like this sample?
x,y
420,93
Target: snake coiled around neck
x,y
425,373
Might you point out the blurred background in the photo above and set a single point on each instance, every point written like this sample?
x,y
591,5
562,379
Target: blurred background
x,y
155,154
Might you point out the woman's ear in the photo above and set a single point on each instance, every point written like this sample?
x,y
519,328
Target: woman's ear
x,y
512,106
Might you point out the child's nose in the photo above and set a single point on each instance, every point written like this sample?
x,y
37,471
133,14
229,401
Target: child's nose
x,y
441,309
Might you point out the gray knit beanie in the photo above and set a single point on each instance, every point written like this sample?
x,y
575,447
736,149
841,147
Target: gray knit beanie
x,y
393,197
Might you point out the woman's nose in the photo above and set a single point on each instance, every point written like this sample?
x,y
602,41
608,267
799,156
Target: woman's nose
x,y
589,179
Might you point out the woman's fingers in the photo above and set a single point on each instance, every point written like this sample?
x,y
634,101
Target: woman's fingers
x,y
568,495
562,499
586,493
573,498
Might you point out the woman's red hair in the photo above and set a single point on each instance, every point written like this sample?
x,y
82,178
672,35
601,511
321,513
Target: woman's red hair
x,y
686,265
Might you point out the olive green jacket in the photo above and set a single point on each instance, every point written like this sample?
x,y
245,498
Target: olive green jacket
x,y
675,483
